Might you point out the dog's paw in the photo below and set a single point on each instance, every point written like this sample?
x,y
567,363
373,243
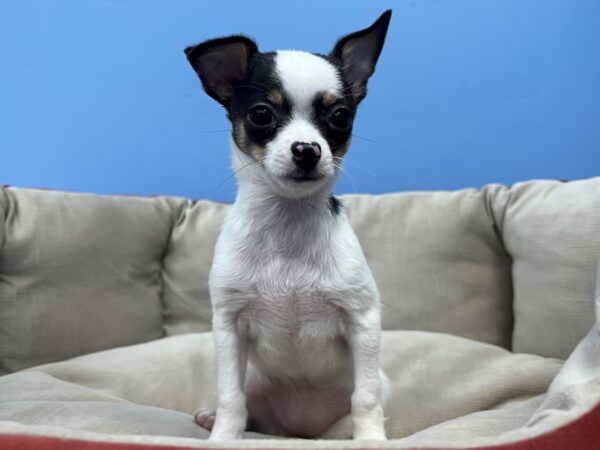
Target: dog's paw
x,y
370,435
205,418
369,432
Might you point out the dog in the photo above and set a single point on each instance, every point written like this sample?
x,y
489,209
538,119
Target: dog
x,y
296,311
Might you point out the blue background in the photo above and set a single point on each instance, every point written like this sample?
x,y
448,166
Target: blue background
x,y
97,95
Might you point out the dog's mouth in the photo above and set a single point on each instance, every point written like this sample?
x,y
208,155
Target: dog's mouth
x,y
305,176
297,183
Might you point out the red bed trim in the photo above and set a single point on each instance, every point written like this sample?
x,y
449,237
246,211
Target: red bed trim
x,y
581,434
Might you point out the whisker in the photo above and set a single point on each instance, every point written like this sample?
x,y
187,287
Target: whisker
x,y
236,172
346,175
366,139
355,165
215,131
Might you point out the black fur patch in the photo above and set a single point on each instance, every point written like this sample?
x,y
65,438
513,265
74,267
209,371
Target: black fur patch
x,y
259,81
335,205
321,113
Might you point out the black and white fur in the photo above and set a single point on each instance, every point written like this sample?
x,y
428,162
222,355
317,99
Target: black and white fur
x,y
296,312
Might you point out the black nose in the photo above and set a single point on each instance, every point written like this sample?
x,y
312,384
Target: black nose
x,y
306,156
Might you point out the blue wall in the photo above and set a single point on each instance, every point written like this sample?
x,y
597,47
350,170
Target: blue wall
x,y
97,95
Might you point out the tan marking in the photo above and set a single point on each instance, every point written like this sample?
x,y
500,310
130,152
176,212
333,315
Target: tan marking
x,y
329,98
241,139
275,97
257,152
340,153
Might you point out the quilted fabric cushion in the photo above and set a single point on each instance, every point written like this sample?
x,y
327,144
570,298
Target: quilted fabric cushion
x,y
552,231
79,273
438,262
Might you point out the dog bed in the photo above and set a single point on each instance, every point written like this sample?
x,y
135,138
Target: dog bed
x,y
491,337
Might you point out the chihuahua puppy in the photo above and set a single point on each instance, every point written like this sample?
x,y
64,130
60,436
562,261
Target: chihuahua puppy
x,y
296,312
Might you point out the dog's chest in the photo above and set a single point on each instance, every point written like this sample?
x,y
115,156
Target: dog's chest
x,y
293,321
292,299
292,288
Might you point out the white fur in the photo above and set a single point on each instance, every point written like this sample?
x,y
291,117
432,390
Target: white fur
x,y
294,68
279,164
293,297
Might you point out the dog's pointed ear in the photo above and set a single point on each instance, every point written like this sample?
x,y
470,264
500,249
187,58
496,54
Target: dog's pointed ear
x,y
221,63
358,53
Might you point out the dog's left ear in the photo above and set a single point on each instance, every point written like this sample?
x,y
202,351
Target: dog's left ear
x,y
221,63
358,53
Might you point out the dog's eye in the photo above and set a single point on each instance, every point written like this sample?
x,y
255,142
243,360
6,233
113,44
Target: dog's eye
x,y
261,116
341,119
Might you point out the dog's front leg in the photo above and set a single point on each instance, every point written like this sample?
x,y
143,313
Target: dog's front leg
x,y
367,401
232,358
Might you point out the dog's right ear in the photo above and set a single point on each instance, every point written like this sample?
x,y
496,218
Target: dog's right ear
x,y
358,53
221,63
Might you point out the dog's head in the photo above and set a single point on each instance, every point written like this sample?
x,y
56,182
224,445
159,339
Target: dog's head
x,y
291,112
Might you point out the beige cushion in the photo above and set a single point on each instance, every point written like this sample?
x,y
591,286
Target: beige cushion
x,y
597,296
3,202
552,231
186,300
434,377
79,273
109,267
438,262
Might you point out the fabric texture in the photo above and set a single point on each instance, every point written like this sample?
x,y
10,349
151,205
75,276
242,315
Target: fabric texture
x,y
3,202
153,388
79,273
438,262
552,231
580,434
577,385
186,300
